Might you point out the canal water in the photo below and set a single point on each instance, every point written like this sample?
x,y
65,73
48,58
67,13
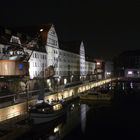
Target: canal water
x,y
119,119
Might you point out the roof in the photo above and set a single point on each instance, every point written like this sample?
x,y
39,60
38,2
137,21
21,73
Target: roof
x,y
26,35
31,31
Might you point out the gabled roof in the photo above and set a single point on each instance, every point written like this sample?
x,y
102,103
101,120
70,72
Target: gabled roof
x,y
26,34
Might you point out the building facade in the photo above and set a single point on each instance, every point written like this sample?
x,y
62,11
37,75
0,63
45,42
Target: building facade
x,y
128,64
99,69
68,66
109,69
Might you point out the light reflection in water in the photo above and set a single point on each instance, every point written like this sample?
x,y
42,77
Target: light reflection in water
x,y
84,109
123,86
75,117
131,85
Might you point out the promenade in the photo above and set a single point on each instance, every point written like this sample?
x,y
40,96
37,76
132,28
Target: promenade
x,y
19,107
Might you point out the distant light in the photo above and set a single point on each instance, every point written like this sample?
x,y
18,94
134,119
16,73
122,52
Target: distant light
x,y
130,72
131,85
48,80
123,86
108,73
56,129
11,52
98,63
41,30
1,77
65,81
58,79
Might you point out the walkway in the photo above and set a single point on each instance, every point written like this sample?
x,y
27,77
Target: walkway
x,y
19,107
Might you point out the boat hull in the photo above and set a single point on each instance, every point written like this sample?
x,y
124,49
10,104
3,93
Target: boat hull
x,y
97,97
39,118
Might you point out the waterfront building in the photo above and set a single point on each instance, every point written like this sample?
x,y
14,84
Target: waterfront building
x,y
109,69
128,64
59,64
99,69
90,66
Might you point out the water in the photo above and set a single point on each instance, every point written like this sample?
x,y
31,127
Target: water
x,y
117,120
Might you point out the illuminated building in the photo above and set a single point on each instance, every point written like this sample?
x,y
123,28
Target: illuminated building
x,y
45,52
99,68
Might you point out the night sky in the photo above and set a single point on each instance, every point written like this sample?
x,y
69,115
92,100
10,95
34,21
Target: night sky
x,y
107,28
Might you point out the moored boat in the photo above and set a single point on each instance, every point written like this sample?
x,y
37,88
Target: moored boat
x,y
97,96
44,112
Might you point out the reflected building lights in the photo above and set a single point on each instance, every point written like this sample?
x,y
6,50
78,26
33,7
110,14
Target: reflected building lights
x,y
84,109
131,85
123,86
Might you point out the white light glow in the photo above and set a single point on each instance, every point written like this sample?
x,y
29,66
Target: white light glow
x,y
108,73
48,80
56,129
98,63
131,85
65,81
130,72
41,30
58,79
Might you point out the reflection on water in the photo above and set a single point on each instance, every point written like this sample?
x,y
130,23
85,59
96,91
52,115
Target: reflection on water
x,y
74,115
84,109
60,128
99,120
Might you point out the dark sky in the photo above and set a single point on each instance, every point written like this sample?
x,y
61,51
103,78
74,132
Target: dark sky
x,y
107,28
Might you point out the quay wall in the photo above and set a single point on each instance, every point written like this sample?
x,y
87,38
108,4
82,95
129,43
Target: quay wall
x,y
20,109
